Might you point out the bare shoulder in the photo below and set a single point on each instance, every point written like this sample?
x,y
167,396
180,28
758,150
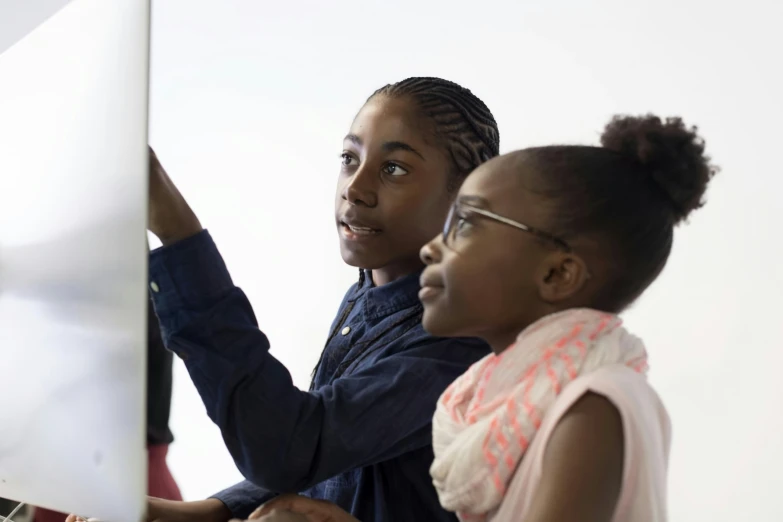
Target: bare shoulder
x,y
583,464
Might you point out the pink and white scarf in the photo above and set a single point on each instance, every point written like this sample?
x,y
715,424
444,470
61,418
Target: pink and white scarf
x,y
487,418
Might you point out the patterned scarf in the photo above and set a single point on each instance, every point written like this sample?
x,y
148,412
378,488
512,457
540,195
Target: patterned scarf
x,y
487,418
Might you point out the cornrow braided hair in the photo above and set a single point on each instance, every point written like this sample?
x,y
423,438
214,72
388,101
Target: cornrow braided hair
x,y
464,124
461,119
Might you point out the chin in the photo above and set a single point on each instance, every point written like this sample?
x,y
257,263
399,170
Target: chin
x,y
434,324
444,324
357,260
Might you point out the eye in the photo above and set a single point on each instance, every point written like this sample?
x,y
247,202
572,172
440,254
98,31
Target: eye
x,y
392,169
348,160
462,222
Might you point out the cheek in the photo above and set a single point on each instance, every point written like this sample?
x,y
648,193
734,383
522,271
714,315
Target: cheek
x,y
491,286
472,285
339,189
426,217
487,293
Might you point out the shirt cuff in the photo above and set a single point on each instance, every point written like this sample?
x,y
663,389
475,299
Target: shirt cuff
x,y
243,498
188,275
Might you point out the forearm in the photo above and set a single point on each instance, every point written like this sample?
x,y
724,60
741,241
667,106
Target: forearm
x,y
170,217
209,510
210,324
281,438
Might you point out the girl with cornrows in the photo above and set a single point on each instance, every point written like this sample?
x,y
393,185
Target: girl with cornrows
x,y
361,437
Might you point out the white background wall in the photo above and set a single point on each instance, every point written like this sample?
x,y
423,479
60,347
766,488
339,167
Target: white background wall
x,y
250,101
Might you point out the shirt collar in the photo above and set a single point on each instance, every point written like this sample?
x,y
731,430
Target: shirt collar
x,y
382,301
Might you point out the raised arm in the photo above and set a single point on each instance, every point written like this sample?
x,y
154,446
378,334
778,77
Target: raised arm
x,y
282,438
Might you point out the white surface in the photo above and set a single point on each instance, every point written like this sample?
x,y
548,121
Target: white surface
x,y
250,101
19,17
73,158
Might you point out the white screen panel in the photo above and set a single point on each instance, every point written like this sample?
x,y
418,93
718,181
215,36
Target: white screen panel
x,y
73,159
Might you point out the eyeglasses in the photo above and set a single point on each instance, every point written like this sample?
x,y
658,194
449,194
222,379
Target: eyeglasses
x,y
461,213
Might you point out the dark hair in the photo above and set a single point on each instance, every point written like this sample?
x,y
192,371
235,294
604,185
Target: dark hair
x,y
648,177
466,127
461,120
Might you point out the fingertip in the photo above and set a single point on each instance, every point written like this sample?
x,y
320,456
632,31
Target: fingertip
x,y
262,510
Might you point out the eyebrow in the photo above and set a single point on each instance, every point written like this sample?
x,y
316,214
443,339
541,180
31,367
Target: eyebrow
x,y
474,201
389,146
353,138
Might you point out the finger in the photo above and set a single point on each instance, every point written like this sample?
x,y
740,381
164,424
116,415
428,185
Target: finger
x,y
272,514
263,509
283,502
258,513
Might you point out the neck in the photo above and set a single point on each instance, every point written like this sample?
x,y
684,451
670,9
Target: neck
x,y
502,341
503,338
391,273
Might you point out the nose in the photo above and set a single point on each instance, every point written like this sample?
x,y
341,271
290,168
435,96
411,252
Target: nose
x,y
360,188
432,252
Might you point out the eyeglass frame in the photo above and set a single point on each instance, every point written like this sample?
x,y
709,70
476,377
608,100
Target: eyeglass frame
x,y
500,219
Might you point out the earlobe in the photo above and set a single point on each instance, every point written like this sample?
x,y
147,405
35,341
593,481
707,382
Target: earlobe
x,y
562,277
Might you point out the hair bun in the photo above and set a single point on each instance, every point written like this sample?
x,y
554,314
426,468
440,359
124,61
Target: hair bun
x,y
670,152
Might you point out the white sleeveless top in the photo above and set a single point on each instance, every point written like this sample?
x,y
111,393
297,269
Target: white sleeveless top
x,y
647,439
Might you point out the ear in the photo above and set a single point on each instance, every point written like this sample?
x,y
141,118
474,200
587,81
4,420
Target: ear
x,y
561,276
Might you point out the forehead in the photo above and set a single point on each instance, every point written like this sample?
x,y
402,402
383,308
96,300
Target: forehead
x,y
505,183
389,119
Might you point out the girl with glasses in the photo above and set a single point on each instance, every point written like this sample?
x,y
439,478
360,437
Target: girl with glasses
x,y
541,251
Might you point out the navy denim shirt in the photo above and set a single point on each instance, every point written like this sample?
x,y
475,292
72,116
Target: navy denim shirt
x,y
361,437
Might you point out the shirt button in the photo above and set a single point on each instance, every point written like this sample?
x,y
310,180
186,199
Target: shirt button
x,y
155,287
346,330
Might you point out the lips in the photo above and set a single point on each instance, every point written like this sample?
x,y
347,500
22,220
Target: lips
x,y
431,286
429,279
428,293
356,228
359,230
